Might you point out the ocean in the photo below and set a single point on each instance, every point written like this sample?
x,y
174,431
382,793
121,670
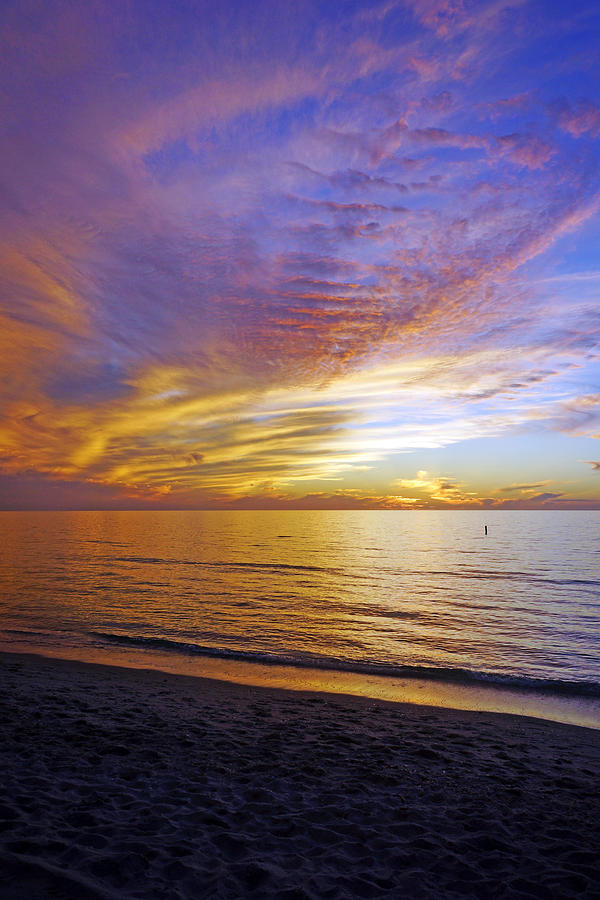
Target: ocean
x,y
386,594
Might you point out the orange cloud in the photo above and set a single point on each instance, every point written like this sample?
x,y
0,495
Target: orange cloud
x,y
285,255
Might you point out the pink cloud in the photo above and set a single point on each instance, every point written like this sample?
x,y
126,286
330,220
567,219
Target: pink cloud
x,y
438,15
438,103
530,151
578,415
516,103
583,117
214,101
443,137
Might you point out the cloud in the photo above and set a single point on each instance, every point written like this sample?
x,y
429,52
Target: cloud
x,y
342,499
579,118
196,109
543,498
439,15
164,432
257,255
432,490
353,180
577,415
522,488
530,151
441,102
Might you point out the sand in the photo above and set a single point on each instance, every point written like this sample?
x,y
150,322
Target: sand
x,y
125,783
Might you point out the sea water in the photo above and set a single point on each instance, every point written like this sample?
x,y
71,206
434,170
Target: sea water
x,y
399,594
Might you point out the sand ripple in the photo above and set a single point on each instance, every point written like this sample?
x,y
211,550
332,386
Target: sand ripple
x,y
141,785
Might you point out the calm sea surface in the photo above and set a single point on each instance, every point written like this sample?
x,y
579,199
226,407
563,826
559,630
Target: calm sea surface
x,y
394,592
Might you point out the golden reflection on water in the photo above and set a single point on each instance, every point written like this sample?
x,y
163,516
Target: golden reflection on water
x,y
420,588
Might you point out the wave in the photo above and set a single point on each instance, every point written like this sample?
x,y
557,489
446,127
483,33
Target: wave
x,y
32,633
313,661
289,569
232,564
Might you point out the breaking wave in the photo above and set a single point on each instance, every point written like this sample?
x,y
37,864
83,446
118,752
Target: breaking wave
x,y
315,661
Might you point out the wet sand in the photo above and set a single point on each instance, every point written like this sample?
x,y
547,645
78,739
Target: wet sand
x,y
138,784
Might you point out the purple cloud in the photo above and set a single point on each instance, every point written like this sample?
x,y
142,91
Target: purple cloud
x,y
269,200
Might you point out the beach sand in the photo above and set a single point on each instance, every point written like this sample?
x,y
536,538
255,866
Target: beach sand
x,y
127,783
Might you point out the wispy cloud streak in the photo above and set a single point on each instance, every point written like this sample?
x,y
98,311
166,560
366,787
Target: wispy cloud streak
x,y
252,255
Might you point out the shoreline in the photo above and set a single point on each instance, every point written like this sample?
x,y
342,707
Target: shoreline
x,y
136,783
508,700
200,684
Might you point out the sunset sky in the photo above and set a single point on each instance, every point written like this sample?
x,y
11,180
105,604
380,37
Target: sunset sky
x,y
268,254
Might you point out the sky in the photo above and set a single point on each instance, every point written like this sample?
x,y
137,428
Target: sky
x,y
299,255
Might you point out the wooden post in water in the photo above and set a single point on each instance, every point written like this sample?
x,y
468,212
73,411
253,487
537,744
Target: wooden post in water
x,y
485,526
